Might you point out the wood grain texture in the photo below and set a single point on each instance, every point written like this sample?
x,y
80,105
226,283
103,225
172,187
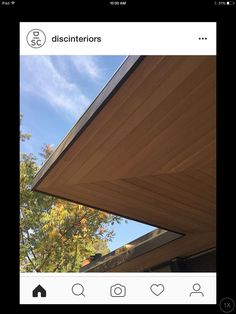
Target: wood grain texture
x,y
151,241
183,247
150,153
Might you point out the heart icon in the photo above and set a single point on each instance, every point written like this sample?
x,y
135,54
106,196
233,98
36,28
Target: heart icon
x,y
157,289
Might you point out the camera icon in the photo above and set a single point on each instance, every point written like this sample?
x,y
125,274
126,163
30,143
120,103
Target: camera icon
x,y
118,290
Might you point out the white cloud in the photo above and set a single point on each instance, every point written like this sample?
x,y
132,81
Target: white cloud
x,y
41,77
87,65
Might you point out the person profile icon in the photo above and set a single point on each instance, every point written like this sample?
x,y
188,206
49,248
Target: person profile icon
x,y
196,288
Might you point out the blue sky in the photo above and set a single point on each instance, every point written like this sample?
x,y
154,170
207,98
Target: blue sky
x,y
54,92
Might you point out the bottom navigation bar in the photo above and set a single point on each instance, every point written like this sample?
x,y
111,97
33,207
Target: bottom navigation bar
x,y
118,288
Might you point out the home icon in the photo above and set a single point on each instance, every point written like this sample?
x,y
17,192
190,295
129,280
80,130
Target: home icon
x,y
37,290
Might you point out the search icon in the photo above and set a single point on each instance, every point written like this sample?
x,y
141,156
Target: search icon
x,y
78,289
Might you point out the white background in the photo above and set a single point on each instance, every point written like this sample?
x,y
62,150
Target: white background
x,y
119,38
178,287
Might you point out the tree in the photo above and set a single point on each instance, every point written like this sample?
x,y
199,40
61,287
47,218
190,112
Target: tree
x,y
47,150
57,235
25,136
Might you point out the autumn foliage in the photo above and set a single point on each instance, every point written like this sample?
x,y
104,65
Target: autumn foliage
x,y
57,235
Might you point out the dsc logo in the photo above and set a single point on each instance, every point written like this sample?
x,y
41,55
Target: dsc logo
x,y
36,38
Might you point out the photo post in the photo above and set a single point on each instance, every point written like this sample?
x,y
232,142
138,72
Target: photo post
x,y
118,162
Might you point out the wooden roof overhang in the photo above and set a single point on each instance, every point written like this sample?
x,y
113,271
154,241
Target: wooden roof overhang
x,y
130,251
146,150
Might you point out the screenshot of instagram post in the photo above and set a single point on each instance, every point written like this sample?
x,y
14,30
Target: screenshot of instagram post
x,y
117,163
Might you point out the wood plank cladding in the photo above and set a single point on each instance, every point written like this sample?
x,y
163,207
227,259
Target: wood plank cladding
x,y
149,152
183,247
149,242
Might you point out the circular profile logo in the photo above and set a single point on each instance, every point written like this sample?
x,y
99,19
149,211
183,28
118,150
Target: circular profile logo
x,y
36,38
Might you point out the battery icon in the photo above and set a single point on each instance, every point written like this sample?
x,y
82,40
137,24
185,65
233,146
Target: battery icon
x,y
230,2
